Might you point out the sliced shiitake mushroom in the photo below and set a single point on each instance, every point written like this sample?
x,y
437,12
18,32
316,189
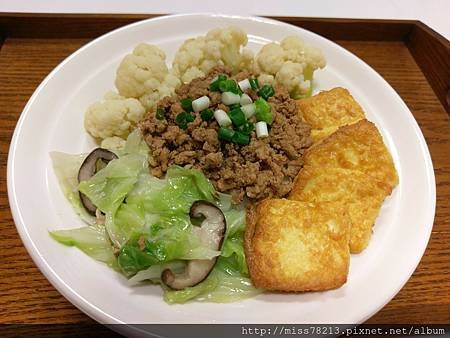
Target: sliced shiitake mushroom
x,y
211,233
89,168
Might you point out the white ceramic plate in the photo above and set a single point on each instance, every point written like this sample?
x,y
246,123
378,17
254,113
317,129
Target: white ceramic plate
x,y
53,120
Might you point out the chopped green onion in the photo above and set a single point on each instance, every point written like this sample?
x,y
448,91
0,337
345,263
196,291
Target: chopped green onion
x,y
183,119
240,138
160,112
226,134
266,91
261,129
254,83
201,103
249,110
207,114
186,104
246,128
245,99
262,111
190,118
183,125
229,86
234,106
237,117
214,86
244,85
230,98
223,86
222,118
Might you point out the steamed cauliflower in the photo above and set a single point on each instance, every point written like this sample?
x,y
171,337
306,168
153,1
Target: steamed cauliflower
x,y
115,115
290,63
143,78
196,57
246,61
291,77
270,58
144,75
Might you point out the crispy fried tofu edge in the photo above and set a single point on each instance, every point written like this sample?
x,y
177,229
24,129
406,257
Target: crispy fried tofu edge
x,y
250,227
261,278
319,132
361,229
362,127
321,137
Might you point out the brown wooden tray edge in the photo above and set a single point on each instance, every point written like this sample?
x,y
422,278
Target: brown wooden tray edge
x,y
91,25
430,50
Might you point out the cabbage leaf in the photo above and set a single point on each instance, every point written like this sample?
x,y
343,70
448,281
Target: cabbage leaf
x,y
92,240
147,227
66,168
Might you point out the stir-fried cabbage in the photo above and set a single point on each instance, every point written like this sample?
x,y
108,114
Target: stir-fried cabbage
x,y
144,225
92,240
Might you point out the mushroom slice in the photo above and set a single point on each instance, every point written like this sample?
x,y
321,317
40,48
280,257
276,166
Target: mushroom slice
x,y
89,168
211,233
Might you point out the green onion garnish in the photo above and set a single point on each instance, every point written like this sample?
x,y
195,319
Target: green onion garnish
x,y
160,112
214,86
186,104
183,119
207,114
240,138
226,134
237,116
246,128
254,83
229,86
262,111
190,118
234,106
266,91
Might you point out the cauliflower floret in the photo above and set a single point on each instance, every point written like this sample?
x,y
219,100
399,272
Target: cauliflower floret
x,y
314,57
144,75
166,88
113,143
294,48
196,57
115,115
292,78
190,59
246,62
270,58
191,74
291,63
228,44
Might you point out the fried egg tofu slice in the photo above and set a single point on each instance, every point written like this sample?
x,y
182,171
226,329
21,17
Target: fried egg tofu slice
x,y
359,192
358,146
297,246
329,110
319,134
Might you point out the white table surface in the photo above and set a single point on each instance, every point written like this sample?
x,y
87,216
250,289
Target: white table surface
x,y
434,13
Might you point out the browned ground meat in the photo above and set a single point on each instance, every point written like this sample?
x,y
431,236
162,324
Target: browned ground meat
x,y
263,168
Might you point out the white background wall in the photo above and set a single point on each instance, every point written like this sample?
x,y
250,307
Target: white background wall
x,y
434,13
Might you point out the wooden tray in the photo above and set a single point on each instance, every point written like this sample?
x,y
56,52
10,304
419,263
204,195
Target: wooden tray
x,y
414,59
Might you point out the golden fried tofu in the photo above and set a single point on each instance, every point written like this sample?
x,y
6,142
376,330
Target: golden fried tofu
x,y
358,146
297,246
359,192
319,134
329,110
